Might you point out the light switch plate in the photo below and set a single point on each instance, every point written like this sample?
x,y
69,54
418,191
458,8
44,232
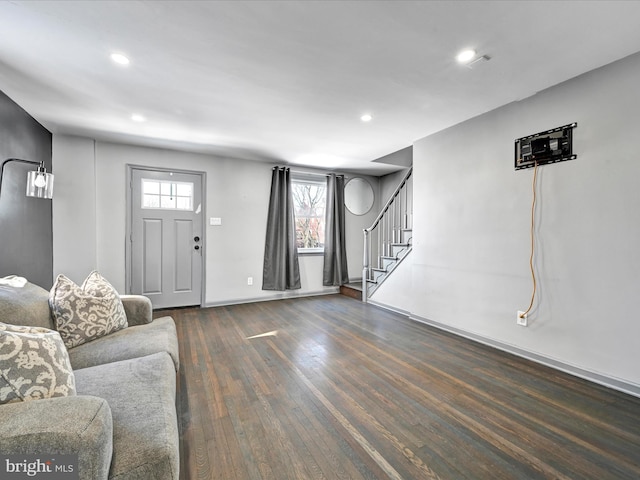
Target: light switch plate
x,y
215,221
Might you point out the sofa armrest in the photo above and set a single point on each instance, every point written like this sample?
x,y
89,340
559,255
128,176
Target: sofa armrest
x,y
77,425
138,309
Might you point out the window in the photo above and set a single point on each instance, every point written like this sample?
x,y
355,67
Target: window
x,y
309,203
167,195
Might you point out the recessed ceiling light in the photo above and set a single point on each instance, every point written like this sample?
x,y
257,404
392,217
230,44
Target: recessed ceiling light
x,y
120,59
136,117
465,55
366,117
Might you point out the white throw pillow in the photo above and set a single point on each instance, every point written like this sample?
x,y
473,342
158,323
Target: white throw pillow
x,y
87,312
34,364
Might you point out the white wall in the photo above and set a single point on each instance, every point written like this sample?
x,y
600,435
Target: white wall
x,y
90,218
74,206
388,185
469,268
355,224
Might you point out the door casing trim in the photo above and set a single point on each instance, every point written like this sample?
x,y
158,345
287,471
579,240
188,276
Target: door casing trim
x,y
129,221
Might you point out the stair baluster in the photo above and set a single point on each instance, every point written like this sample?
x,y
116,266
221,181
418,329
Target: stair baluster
x,y
390,231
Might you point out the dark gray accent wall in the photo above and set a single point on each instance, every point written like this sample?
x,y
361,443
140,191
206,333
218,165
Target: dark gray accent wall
x,y
26,242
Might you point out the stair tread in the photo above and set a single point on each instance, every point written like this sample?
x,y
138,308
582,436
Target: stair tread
x,y
353,290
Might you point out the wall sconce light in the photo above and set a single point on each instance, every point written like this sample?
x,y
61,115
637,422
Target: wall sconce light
x,y
39,182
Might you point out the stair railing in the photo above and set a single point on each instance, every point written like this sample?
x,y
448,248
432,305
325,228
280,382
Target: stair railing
x,y
387,230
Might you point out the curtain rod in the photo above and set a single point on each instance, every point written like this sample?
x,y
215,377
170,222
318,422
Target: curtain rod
x,y
310,173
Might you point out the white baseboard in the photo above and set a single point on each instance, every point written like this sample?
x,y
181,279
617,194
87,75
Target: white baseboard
x,y
275,296
391,309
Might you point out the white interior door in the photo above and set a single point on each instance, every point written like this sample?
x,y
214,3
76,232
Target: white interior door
x,y
166,237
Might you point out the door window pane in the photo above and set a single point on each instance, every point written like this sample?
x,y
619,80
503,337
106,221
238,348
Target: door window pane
x,y
152,188
184,189
183,203
167,195
150,201
166,188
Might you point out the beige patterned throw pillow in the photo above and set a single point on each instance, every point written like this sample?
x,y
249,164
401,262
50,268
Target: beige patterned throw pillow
x,y
87,312
34,364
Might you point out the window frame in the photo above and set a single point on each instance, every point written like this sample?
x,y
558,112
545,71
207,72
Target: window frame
x,y
316,179
160,194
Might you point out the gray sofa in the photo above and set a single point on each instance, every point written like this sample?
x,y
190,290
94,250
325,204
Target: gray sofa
x,y
122,423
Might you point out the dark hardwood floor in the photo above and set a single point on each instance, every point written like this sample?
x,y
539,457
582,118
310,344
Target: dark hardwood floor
x,y
330,388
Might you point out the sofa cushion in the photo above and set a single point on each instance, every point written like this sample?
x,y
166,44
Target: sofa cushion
x,y
131,342
63,425
26,305
85,313
34,364
141,395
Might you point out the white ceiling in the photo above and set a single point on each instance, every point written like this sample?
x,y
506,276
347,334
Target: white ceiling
x,y
288,81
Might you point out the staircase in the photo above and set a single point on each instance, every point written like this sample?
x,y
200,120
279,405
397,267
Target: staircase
x,y
388,241
352,289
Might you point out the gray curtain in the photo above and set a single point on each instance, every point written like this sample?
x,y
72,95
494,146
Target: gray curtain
x,y
335,270
281,270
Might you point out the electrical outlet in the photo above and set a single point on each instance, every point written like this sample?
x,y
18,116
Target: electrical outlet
x,y
249,280
521,318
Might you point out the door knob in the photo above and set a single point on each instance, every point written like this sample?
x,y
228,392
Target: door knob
x,y
196,238
197,247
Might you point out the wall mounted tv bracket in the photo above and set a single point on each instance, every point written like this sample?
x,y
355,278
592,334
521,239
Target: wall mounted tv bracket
x,y
552,146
